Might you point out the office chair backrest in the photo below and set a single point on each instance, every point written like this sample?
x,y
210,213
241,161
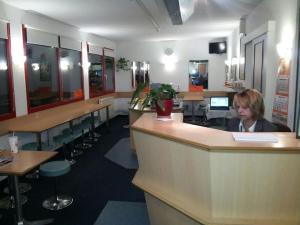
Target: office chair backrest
x,y
282,127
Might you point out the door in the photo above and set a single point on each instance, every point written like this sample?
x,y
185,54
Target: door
x,y
255,63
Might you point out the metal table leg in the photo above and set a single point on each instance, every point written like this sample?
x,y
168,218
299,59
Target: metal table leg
x,y
107,118
19,212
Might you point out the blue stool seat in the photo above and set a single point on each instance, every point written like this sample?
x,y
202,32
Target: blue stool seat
x,y
55,168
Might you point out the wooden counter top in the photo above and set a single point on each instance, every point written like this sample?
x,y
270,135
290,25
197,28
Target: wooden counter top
x,y
211,139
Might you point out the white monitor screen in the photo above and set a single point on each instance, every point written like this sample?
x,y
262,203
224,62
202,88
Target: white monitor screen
x,y
219,102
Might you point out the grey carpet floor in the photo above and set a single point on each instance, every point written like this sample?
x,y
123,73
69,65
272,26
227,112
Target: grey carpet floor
x,y
122,154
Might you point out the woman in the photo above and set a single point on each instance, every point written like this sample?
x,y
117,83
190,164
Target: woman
x,y
250,109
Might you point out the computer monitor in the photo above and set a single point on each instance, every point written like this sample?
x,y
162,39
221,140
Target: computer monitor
x,y
219,103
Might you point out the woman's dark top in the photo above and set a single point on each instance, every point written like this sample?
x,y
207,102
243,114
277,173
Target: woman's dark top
x,y
262,125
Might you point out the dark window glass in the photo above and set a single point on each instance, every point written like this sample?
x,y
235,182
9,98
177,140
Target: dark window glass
x,y
70,72
109,73
95,75
5,107
42,75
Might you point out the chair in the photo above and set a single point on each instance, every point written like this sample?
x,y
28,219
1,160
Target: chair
x,y
282,127
55,169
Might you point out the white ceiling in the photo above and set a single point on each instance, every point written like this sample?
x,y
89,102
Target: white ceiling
x,y
124,19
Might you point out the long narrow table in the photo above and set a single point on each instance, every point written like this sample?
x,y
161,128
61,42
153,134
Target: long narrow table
x,y
23,162
41,122
198,175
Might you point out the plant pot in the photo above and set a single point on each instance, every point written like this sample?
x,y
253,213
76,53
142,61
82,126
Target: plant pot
x,y
167,109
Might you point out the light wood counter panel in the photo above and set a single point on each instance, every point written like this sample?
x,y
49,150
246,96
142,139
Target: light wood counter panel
x,y
212,139
187,182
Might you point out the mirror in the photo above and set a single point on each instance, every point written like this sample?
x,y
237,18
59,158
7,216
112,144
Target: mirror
x,y
198,75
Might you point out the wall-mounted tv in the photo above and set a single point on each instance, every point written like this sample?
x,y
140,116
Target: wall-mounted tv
x,y
217,47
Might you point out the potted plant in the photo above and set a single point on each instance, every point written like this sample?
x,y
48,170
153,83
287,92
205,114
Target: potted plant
x,y
161,97
123,64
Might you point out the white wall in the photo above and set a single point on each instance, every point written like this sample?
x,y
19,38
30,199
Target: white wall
x,y
284,13
18,17
183,52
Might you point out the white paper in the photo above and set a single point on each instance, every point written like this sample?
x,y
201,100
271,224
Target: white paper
x,y
164,118
254,137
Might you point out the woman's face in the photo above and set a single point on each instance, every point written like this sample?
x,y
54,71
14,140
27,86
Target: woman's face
x,y
244,113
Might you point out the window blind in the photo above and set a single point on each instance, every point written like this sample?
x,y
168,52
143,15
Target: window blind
x,y
70,43
95,49
41,38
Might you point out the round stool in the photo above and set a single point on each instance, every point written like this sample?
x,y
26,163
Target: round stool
x,y
55,169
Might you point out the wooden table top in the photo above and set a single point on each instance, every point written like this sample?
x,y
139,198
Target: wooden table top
x,y
44,120
212,139
24,161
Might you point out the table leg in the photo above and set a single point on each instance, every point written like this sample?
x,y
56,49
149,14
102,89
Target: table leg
x,y
107,117
193,112
19,212
39,141
93,126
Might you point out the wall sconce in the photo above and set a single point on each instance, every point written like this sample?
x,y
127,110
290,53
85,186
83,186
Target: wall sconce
x,y
134,67
242,60
234,61
64,65
35,66
227,62
3,66
169,59
284,50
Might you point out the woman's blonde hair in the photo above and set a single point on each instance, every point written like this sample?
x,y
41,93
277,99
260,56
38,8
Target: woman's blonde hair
x,y
252,99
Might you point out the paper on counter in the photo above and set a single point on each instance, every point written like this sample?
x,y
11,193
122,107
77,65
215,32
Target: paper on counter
x,y
254,137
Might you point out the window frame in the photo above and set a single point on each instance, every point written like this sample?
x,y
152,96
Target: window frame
x,y
11,98
61,101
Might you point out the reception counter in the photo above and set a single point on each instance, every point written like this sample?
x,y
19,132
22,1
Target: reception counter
x,y
197,175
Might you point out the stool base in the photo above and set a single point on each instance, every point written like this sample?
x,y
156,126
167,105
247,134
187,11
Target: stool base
x,y
8,202
57,202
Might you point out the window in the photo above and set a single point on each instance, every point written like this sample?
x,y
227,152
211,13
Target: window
x,y
53,74
6,91
95,75
71,74
42,77
109,64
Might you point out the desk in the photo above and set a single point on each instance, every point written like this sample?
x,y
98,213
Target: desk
x,y
23,162
138,111
198,175
193,99
44,120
